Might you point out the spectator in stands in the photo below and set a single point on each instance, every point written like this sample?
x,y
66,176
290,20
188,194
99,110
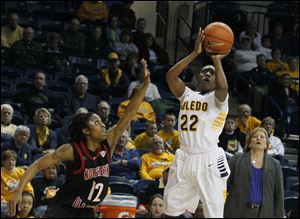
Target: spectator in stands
x,y
36,96
124,162
7,127
10,178
27,205
155,162
125,14
27,53
96,45
276,148
284,96
142,141
260,79
156,186
93,11
130,66
139,33
45,187
114,81
245,57
145,112
63,133
156,206
266,46
113,31
42,136
169,134
253,34
232,140
19,144
255,185
11,32
53,59
245,122
125,46
276,65
293,71
152,92
280,39
73,39
79,97
152,52
103,111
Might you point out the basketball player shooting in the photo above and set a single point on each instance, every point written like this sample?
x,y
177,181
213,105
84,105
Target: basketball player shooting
x,y
200,169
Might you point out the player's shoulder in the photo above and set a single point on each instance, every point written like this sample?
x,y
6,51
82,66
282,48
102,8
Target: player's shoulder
x,y
64,152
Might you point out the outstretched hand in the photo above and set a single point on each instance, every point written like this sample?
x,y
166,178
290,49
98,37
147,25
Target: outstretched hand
x,y
199,40
145,71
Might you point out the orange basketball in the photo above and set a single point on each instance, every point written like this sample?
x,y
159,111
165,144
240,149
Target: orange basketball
x,y
219,38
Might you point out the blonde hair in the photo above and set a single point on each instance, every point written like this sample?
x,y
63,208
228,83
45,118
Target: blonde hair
x,y
250,136
42,110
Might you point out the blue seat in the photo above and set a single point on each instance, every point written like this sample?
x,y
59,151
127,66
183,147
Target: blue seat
x,y
57,86
49,25
18,118
295,187
290,203
22,83
6,82
11,72
113,179
67,78
137,128
121,188
7,94
288,172
141,186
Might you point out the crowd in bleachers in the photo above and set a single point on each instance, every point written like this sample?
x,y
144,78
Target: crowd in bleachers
x,y
60,59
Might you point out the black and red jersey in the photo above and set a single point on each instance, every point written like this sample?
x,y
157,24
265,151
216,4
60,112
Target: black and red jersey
x,y
87,177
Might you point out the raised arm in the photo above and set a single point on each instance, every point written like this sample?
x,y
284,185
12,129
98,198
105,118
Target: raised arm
x,y
114,133
176,85
221,90
63,153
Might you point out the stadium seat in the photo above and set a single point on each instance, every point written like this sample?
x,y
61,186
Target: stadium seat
x,y
295,187
11,72
22,83
141,186
288,172
57,86
121,188
290,201
67,78
113,179
18,118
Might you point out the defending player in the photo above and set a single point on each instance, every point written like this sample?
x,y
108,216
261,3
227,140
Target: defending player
x,y
200,169
87,158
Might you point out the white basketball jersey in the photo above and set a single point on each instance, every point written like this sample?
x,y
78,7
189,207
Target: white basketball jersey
x,y
200,121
